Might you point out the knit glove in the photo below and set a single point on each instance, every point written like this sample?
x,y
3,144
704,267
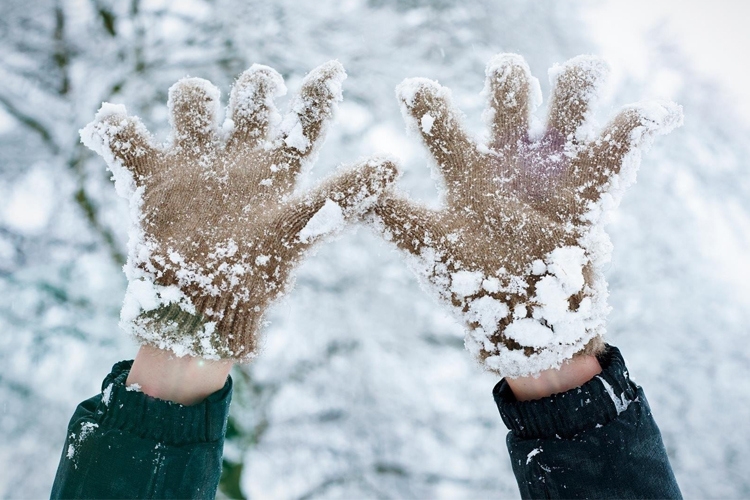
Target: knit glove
x,y
216,228
518,250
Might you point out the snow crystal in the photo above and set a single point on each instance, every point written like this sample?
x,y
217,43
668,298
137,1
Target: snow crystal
x,y
408,89
491,284
538,267
327,220
86,429
487,312
532,454
141,295
262,260
295,136
621,403
529,332
465,283
108,109
107,395
331,75
426,123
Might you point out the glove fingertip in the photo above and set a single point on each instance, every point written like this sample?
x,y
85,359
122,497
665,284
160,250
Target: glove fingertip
x,y
258,79
660,116
591,68
411,90
110,120
328,77
384,168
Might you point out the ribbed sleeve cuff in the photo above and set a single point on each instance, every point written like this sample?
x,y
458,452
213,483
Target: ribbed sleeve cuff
x,y
163,421
566,414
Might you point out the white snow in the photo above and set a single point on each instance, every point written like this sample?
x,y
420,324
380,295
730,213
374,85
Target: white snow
x,y
487,312
465,283
295,135
426,123
331,75
86,429
621,403
532,454
107,394
529,332
327,220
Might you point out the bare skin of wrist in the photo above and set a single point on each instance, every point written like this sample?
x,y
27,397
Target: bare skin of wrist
x,y
573,373
186,380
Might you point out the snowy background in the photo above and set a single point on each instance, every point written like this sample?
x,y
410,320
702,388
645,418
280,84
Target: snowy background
x,y
363,389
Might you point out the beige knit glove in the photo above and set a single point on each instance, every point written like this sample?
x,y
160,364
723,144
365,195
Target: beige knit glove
x,y
519,248
216,228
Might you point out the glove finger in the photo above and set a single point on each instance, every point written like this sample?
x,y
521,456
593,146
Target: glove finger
x,y
251,105
616,153
412,227
326,209
427,108
576,84
304,126
513,94
122,140
194,109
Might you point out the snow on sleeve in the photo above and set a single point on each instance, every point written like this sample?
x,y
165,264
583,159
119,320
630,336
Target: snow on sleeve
x,y
621,403
107,394
328,219
532,454
75,440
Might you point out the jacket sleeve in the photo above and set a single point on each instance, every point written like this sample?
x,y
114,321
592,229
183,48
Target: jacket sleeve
x,y
596,441
125,444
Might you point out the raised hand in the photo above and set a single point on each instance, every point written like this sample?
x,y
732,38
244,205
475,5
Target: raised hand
x,y
216,227
517,251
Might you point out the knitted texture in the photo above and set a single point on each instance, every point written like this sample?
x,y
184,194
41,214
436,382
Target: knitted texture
x,y
217,228
518,248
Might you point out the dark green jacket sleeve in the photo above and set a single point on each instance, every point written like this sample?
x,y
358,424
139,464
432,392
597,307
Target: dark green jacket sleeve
x,y
596,441
125,444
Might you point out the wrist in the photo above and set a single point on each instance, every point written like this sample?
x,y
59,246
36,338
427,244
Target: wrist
x,y
186,380
573,373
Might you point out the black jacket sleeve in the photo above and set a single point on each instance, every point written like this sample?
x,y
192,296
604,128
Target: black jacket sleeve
x,y
125,444
595,441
